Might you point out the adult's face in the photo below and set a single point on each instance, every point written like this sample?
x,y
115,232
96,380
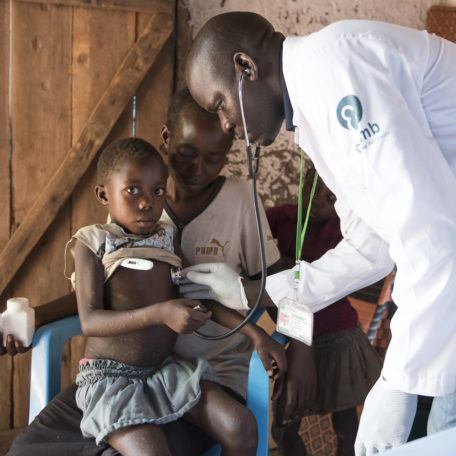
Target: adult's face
x,y
219,94
197,150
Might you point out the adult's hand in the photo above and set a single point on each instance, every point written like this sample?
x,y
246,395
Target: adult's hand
x,y
216,281
386,420
13,346
295,394
271,353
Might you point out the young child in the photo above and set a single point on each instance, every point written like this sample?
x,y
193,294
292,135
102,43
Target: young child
x,y
337,372
128,383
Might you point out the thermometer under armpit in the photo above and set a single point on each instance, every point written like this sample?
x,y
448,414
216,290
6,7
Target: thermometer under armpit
x,y
137,263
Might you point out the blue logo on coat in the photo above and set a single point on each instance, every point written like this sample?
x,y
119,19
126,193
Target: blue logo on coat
x,y
349,112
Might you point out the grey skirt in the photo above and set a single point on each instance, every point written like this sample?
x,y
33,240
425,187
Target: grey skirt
x,y
347,368
113,395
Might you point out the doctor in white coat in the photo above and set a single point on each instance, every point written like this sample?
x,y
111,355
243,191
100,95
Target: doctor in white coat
x,y
374,107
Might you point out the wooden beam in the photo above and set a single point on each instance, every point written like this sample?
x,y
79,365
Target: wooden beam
x,y
122,87
145,6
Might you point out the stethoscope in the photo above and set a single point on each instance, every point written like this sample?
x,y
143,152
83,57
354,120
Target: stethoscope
x,y
253,163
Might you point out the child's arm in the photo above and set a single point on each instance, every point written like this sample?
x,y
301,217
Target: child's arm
x,y
265,345
178,314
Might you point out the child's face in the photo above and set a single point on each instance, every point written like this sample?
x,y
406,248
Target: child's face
x,y
135,195
197,150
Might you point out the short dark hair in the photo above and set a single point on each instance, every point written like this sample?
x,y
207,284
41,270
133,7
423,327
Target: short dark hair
x,y
181,100
127,150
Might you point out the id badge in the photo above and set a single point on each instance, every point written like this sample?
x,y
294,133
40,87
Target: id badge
x,y
295,320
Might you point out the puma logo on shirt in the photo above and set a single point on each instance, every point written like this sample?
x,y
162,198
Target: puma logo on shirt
x,y
211,249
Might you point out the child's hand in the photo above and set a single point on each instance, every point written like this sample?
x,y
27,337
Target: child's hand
x,y
295,393
13,347
184,316
271,353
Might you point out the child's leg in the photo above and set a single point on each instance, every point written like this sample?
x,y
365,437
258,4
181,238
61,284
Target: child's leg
x,y
141,440
287,437
345,424
225,420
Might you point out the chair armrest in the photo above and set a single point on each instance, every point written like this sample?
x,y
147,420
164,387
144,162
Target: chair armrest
x,y
47,345
279,337
256,315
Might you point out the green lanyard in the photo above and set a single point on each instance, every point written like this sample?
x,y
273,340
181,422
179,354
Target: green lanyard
x,y
300,229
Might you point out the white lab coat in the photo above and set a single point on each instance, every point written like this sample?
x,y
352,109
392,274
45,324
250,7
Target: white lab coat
x,y
393,171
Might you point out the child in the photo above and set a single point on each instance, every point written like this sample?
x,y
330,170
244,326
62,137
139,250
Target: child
x,y
128,383
337,372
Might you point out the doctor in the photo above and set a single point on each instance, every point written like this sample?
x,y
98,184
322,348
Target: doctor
x,y
374,106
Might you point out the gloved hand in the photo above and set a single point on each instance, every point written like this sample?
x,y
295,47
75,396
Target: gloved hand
x,y
215,281
386,420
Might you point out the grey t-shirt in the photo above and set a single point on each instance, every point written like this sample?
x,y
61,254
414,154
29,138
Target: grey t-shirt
x,y
225,232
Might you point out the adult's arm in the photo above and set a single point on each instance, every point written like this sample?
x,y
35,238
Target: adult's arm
x,y
62,307
268,349
360,259
59,308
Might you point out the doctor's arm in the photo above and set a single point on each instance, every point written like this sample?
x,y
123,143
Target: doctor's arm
x,y
360,259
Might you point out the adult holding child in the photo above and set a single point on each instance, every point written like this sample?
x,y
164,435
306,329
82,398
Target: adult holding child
x,y
196,206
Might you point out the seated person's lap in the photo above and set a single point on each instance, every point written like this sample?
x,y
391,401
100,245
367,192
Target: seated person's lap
x,y
56,432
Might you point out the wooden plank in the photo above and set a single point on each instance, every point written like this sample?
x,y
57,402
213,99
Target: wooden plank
x,y
5,200
41,122
183,43
61,185
4,126
41,125
98,50
154,94
147,6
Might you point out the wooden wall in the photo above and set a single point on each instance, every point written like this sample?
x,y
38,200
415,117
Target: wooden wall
x,y
63,57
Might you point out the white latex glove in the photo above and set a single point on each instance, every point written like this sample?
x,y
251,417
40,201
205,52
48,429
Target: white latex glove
x,y
386,420
215,281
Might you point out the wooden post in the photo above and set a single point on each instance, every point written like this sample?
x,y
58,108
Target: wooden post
x,y
5,201
130,74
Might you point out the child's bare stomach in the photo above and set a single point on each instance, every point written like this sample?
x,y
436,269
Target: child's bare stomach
x,y
130,289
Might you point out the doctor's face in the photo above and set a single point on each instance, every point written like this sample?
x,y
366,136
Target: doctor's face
x,y
264,115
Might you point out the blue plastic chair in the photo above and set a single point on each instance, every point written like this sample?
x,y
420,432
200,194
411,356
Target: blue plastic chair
x,y
47,349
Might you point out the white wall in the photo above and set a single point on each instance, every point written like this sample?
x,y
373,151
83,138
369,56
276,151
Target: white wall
x,y
298,17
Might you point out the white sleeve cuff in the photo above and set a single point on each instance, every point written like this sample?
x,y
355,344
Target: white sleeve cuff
x,y
280,285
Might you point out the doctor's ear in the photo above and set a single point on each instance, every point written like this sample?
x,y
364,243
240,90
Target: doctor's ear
x,y
244,63
165,134
100,192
